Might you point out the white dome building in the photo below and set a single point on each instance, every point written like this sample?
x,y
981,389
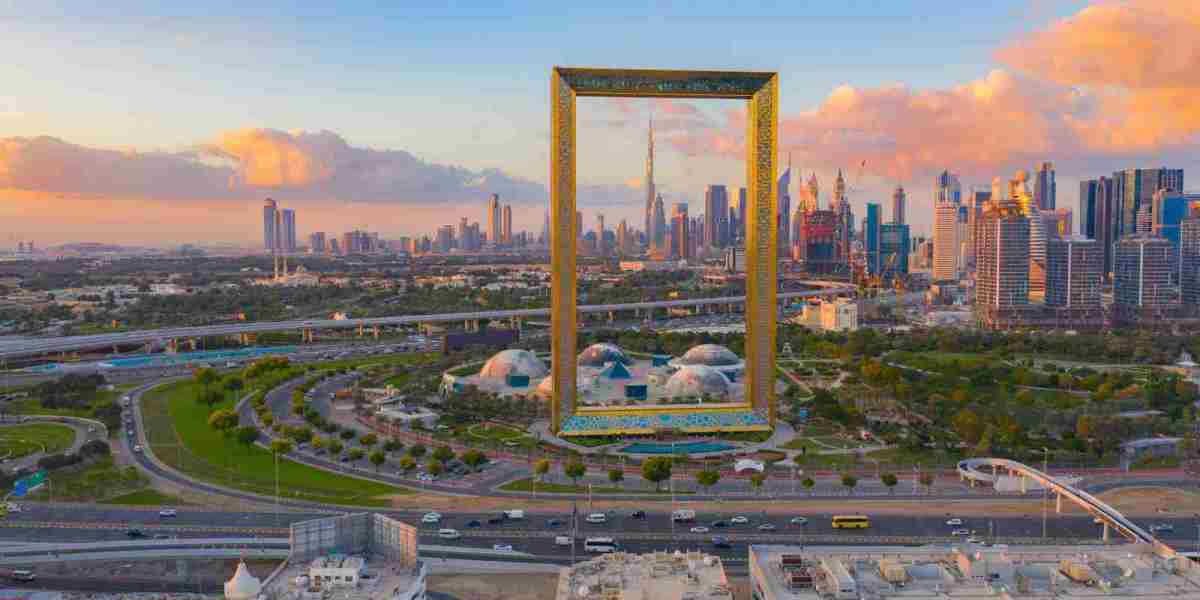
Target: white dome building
x,y
598,355
712,355
695,381
514,362
243,585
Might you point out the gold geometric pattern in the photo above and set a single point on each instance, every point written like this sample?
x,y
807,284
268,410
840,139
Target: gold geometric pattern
x,y
761,89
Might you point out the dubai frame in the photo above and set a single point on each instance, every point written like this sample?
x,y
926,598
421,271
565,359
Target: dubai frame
x,y
761,89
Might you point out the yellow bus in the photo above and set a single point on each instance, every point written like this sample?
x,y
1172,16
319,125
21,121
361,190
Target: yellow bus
x,y
851,522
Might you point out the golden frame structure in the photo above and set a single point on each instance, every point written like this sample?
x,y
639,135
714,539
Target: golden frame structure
x,y
761,89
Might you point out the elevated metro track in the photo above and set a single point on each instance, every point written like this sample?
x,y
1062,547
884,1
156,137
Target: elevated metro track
x,y
970,469
37,346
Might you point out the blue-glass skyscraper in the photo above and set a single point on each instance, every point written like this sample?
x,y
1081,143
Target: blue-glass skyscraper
x,y
871,237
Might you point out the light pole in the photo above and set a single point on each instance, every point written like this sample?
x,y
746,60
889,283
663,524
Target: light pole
x,y
1045,486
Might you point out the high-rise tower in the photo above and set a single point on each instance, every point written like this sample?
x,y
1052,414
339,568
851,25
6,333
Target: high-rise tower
x,y
493,220
783,219
812,194
652,236
1044,187
898,205
269,233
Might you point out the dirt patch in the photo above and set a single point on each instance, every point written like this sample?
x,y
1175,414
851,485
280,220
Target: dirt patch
x,y
496,586
1152,500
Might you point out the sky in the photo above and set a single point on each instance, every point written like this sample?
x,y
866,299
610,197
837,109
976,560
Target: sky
x,y
157,123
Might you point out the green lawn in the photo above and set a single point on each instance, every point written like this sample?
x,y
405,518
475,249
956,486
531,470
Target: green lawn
x,y
86,483
23,440
146,497
172,416
498,433
526,485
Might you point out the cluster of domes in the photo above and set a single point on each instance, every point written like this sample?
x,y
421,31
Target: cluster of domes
x,y
598,355
514,362
694,381
713,355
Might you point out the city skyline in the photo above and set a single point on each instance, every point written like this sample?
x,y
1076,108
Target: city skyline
x,y
94,170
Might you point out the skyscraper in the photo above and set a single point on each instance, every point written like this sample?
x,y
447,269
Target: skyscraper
x,y
652,236
898,204
783,218
464,235
1135,188
316,242
493,220
445,239
945,241
1044,187
269,229
659,226
1189,261
289,230
716,206
600,249
946,188
1073,277
506,225
893,250
623,244
812,194
680,223
1142,275
871,233
741,213
1002,262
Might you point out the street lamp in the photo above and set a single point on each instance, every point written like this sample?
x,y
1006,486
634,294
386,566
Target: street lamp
x,y
1045,486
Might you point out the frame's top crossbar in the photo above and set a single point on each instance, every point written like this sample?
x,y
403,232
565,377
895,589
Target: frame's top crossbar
x,y
664,83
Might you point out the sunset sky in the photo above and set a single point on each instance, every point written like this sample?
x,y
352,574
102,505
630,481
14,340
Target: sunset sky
x,y
145,123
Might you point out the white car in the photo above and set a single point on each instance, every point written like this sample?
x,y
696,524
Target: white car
x,y
597,518
974,539
961,532
767,527
137,448
739,520
799,521
168,512
13,507
432,517
954,522
449,534
502,547
699,529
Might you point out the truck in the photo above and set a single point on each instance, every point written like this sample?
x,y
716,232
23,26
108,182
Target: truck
x,y
683,515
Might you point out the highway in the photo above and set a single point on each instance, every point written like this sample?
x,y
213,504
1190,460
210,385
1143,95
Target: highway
x,y
35,346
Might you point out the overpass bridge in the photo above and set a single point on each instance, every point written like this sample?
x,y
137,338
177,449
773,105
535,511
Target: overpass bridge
x,y
973,470
137,550
38,346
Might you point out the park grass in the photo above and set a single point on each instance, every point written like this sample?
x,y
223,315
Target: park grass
x,y
33,406
180,436
89,481
23,440
145,497
526,485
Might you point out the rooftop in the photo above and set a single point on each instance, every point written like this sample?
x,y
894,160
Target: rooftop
x,y
969,571
386,577
659,575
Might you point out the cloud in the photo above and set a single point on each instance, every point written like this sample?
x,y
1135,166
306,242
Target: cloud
x,y
297,165
1112,83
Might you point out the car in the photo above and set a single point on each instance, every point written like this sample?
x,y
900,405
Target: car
x,y
638,514
502,547
719,524
1162,527
495,520
799,521
168,512
597,518
563,540
162,536
955,522
739,520
720,542
12,507
767,527
137,448
92,429
974,539
432,517
135,533
344,458
958,532
474,524
699,529
552,523
449,534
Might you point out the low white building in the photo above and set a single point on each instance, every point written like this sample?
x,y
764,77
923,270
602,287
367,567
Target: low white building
x,y
336,571
657,576
839,315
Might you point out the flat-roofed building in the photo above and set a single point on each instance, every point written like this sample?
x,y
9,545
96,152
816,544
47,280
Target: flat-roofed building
x,y
657,576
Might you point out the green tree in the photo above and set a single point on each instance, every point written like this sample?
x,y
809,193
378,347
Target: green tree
x,y
223,421
808,484
347,434
392,445
335,447
656,470
541,468
474,458
233,385
407,463
280,446
434,467
246,436
369,440
616,476
757,480
377,458
574,470
356,454
205,377
849,482
443,453
708,478
416,450
318,443
889,480
967,425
